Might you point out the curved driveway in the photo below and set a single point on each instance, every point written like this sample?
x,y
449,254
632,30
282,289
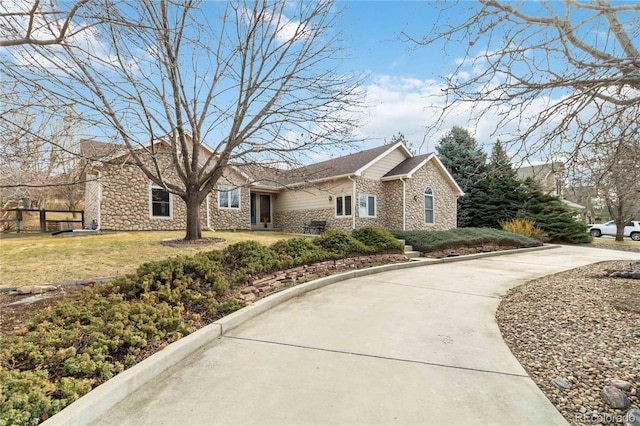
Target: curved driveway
x,y
414,346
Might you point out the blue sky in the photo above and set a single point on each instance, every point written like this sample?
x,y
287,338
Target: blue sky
x,y
401,76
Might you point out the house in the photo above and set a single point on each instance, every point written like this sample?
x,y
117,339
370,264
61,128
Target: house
x,y
551,177
385,186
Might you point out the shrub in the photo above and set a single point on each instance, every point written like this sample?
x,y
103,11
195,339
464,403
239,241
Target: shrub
x,y
524,227
246,259
377,239
298,251
426,241
340,244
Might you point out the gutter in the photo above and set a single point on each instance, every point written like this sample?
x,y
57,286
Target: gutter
x,y
99,200
209,228
404,204
353,203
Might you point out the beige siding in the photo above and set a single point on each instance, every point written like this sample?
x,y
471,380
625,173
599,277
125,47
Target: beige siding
x,y
312,197
384,165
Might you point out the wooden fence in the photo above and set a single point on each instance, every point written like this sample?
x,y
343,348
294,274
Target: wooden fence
x,y
35,220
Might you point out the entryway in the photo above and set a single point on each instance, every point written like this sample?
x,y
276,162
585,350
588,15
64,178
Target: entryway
x,y
261,210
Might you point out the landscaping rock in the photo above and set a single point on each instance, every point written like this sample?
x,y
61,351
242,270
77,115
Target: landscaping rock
x,y
620,384
35,289
561,383
615,398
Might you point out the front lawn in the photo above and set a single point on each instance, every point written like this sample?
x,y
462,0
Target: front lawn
x,y
30,259
68,348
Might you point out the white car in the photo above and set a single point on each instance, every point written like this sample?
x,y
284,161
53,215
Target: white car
x,y
632,229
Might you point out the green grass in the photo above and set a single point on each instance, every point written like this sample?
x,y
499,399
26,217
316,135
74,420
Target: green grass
x,y
31,259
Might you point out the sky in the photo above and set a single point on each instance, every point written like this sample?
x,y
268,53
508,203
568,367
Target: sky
x,y
403,83
402,78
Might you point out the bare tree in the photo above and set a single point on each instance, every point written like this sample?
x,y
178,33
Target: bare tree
x,y
610,167
254,81
32,22
39,149
550,71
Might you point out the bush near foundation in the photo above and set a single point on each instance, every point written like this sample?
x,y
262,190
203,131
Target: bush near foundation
x,y
427,241
377,238
68,349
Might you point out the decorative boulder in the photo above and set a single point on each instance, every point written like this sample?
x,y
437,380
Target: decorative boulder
x,y
560,383
615,398
620,384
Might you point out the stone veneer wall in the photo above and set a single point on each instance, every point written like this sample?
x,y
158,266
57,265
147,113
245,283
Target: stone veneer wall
x,y
126,205
383,200
294,220
231,219
445,200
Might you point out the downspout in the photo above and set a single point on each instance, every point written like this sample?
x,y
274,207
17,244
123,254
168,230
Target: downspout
x,y
353,203
404,204
209,228
99,200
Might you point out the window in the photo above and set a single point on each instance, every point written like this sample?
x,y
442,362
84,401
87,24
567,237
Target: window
x,y
428,205
229,198
367,205
160,202
343,206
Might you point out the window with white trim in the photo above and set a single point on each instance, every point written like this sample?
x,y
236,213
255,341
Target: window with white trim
x,y
367,205
343,206
428,205
228,198
160,202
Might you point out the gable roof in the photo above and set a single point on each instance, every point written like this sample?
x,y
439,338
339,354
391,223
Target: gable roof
x,y
408,167
538,171
96,150
347,165
273,178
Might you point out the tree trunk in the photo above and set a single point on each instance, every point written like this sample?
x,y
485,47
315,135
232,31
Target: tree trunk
x,y
194,230
620,232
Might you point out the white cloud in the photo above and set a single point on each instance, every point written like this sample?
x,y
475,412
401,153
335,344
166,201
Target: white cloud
x,y
414,107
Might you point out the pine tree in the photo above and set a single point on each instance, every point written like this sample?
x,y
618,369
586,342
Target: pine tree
x,y
552,215
500,194
462,157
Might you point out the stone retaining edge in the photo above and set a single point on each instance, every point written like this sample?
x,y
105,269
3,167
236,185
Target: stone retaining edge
x,y
101,399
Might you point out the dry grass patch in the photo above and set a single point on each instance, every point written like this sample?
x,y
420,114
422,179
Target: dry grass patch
x,y
40,259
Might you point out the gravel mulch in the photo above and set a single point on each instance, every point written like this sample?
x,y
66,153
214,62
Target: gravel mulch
x,y
582,326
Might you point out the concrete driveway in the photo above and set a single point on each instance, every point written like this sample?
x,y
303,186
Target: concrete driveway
x,y
415,346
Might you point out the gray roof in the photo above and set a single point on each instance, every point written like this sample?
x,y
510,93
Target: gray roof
x,y
339,166
539,170
407,165
95,150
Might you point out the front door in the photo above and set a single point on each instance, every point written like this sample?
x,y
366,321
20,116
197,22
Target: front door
x,y
265,208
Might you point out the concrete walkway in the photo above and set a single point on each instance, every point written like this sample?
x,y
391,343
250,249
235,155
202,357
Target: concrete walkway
x,y
415,346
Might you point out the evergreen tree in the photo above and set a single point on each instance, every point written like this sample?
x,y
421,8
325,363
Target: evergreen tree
x,y
552,215
462,157
500,194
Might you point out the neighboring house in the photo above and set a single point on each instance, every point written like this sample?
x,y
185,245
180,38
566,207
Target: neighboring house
x,y
385,186
551,177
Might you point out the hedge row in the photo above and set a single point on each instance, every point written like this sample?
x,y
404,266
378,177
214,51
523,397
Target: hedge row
x,y
67,350
427,241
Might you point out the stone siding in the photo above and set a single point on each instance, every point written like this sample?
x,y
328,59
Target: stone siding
x,y
294,220
444,195
126,204
231,219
